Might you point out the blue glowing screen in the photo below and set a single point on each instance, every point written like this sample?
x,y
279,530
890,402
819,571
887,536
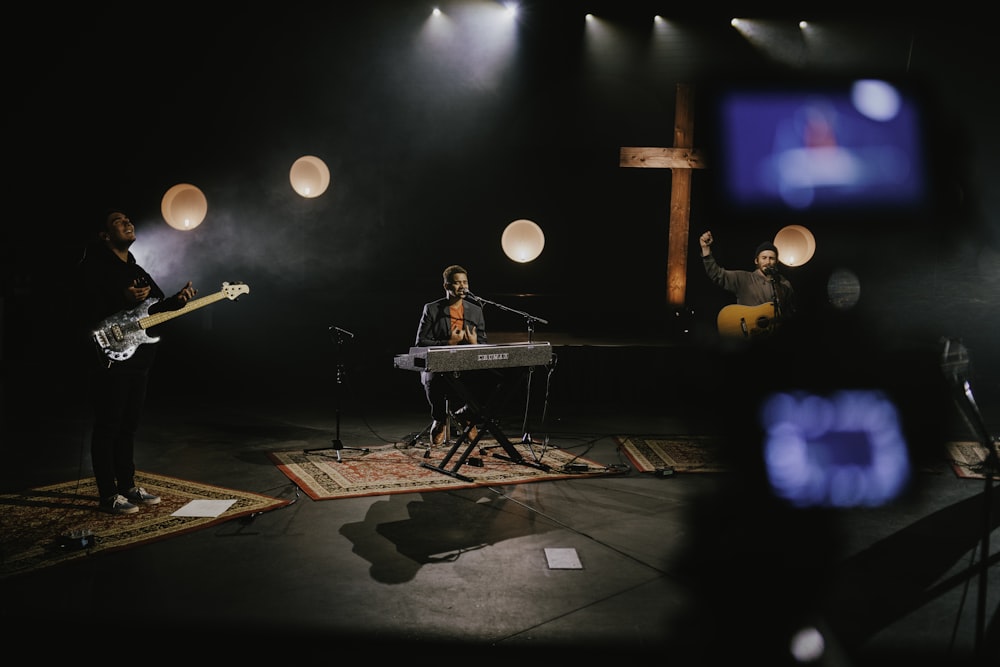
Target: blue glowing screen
x,y
842,450
855,145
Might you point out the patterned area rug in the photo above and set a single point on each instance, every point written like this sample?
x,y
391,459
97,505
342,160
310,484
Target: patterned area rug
x,y
691,453
59,523
400,469
705,453
968,459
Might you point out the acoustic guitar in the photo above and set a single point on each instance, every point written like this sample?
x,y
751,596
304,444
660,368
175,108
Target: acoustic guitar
x,y
120,335
748,322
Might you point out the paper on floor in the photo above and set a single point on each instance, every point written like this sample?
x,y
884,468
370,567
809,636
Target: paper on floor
x,y
211,508
563,559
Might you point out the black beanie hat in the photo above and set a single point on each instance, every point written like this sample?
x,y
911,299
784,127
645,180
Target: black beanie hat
x,y
766,245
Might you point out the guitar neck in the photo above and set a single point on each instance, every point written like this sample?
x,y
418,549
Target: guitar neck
x,y
161,317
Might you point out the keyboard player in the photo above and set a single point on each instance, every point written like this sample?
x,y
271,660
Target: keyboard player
x,y
450,320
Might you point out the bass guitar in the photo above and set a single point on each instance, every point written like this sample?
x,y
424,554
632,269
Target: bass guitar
x,y
120,335
747,322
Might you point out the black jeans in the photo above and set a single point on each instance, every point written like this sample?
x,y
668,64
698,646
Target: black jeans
x,y
481,385
119,396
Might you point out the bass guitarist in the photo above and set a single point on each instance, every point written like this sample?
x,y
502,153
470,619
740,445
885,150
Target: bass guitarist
x,y
112,282
764,297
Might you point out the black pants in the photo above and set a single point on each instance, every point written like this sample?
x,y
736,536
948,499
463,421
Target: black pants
x,y
119,394
480,384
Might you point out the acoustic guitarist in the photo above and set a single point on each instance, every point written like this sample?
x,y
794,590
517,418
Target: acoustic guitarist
x,y
112,281
764,297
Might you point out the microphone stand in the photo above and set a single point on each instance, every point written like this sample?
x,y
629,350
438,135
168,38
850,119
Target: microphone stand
x,y
773,275
338,446
955,363
529,320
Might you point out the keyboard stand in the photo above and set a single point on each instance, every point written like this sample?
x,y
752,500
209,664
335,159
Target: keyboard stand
x,y
487,424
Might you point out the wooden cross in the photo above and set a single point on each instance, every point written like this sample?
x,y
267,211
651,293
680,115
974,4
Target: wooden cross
x,y
682,158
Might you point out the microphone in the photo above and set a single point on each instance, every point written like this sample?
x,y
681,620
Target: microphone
x,y
770,271
470,295
334,327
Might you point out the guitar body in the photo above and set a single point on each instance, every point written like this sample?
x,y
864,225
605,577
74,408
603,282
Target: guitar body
x,y
747,322
119,336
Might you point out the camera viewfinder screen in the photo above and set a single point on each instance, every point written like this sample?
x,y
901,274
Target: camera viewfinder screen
x,y
850,146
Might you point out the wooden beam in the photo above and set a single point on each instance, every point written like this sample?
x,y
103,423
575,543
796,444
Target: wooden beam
x,y
661,158
681,159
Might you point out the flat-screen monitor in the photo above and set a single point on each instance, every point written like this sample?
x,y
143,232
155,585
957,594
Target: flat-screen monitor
x,y
819,148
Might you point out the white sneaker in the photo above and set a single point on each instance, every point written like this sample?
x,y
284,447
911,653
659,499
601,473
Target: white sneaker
x,y
118,504
139,496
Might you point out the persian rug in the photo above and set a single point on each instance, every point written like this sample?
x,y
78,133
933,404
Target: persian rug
x,y
968,459
398,469
694,453
58,523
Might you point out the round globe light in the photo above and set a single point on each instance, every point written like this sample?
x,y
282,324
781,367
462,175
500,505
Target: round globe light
x,y
310,177
184,206
796,245
843,289
522,241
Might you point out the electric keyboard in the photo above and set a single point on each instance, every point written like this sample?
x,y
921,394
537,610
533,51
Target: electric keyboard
x,y
447,358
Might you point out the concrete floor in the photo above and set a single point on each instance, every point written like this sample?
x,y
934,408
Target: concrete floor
x,y
689,569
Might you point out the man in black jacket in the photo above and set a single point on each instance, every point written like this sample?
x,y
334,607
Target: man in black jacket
x,y
113,283
450,320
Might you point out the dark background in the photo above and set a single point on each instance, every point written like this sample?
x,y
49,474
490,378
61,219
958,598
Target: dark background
x,y
434,148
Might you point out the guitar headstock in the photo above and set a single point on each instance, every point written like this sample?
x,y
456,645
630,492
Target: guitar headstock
x,y
234,290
